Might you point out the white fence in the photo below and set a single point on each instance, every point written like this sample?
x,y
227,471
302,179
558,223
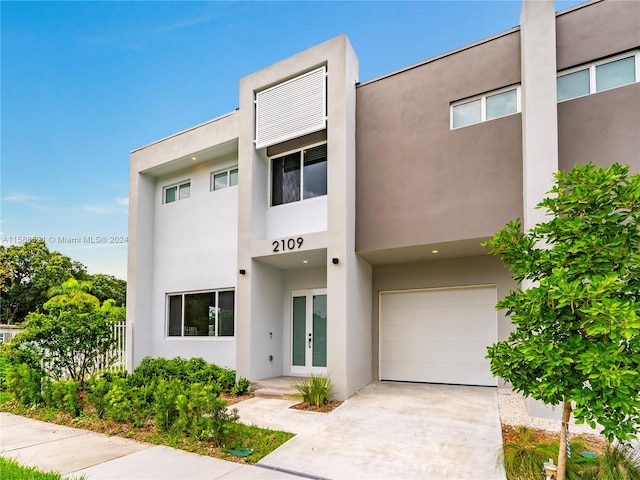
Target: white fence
x,y
113,361
117,359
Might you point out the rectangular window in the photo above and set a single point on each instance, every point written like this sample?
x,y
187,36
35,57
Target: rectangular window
x,y
615,74
202,314
177,192
496,104
573,85
299,175
604,75
220,180
501,104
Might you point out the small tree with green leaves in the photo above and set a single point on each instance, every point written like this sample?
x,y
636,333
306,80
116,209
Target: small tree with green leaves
x,y
577,325
73,338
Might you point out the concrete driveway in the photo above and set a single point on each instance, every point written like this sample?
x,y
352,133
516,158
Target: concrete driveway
x,y
389,430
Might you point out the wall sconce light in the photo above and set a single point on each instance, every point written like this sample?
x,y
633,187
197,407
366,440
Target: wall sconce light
x,y
335,261
242,271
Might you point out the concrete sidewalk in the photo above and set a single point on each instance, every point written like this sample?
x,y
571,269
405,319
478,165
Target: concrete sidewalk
x,y
75,452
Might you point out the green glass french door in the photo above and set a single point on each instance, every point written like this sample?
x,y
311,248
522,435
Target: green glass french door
x,y
309,331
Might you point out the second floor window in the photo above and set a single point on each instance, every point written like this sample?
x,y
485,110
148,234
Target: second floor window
x,y
299,175
224,179
177,192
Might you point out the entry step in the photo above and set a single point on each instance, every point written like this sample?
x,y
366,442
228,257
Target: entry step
x,y
276,387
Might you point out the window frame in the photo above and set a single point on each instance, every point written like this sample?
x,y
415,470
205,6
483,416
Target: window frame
x,y
289,152
228,171
483,105
177,186
182,335
591,67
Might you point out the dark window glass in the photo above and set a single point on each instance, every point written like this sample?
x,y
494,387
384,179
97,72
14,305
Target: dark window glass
x,y
315,172
199,314
175,315
285,182
170,194
226,314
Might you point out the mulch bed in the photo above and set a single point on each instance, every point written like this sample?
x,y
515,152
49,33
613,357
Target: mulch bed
x,y
593,443
326,408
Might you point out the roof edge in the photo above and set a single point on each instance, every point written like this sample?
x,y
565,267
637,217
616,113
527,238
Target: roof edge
x,y
182,132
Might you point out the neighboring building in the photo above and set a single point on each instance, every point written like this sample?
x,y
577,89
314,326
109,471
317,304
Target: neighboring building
x,y
333,226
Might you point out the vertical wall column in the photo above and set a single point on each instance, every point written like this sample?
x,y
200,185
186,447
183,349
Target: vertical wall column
x,y
539,105
140,267
539,120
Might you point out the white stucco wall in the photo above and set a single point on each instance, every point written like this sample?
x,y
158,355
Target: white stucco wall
x,y
194,249
155,250
296,218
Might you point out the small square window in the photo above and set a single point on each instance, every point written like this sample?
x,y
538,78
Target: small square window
x,y
170,194
467,114
573,85
220,181
502,104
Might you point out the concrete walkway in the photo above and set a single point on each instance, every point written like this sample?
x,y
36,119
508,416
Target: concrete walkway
x,y
74,452
385,431
390,430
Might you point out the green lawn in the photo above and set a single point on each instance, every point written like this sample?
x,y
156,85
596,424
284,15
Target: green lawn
x,y
12,470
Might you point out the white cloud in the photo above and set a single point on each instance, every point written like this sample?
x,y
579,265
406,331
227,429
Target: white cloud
x,y
28,200
124,201
98,209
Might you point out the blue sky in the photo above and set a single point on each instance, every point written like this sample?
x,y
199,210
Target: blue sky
x,y
84,83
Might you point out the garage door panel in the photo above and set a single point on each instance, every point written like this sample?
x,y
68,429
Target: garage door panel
x,y
437,332
448,314
434,352
438,335
436,298
446,372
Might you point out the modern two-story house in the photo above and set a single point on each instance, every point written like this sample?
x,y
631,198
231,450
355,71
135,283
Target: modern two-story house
x,y
334,226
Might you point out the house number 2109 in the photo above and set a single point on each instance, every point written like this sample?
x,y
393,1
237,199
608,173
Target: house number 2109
x,y
288,244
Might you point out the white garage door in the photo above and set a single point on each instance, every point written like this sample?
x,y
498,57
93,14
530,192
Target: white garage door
x,y
438,335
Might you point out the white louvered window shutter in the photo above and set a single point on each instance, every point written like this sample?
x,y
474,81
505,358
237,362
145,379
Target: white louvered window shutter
x,y
292,108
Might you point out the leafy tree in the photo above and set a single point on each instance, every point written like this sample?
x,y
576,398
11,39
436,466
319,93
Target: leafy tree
x,y
27,272
106,286
577,326
73,338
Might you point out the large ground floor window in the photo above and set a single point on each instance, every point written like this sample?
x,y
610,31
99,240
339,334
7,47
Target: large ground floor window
x,y
201,314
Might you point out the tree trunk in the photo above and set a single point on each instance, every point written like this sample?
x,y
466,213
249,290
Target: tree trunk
x,y
562,453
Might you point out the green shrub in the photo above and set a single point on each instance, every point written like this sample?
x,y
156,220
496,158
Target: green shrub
x,y
165,398
63,395
4,364
118,402
200,412
316,390
617,463
97,389
193,370
25,382
241,386
523,460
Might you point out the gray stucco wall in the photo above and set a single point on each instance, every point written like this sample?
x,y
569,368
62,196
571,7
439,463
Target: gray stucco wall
x,y
602,128
596,30
418,181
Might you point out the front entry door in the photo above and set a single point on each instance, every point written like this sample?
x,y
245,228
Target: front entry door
x,y
309,331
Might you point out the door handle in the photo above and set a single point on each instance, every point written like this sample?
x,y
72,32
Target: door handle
x,y
309,340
